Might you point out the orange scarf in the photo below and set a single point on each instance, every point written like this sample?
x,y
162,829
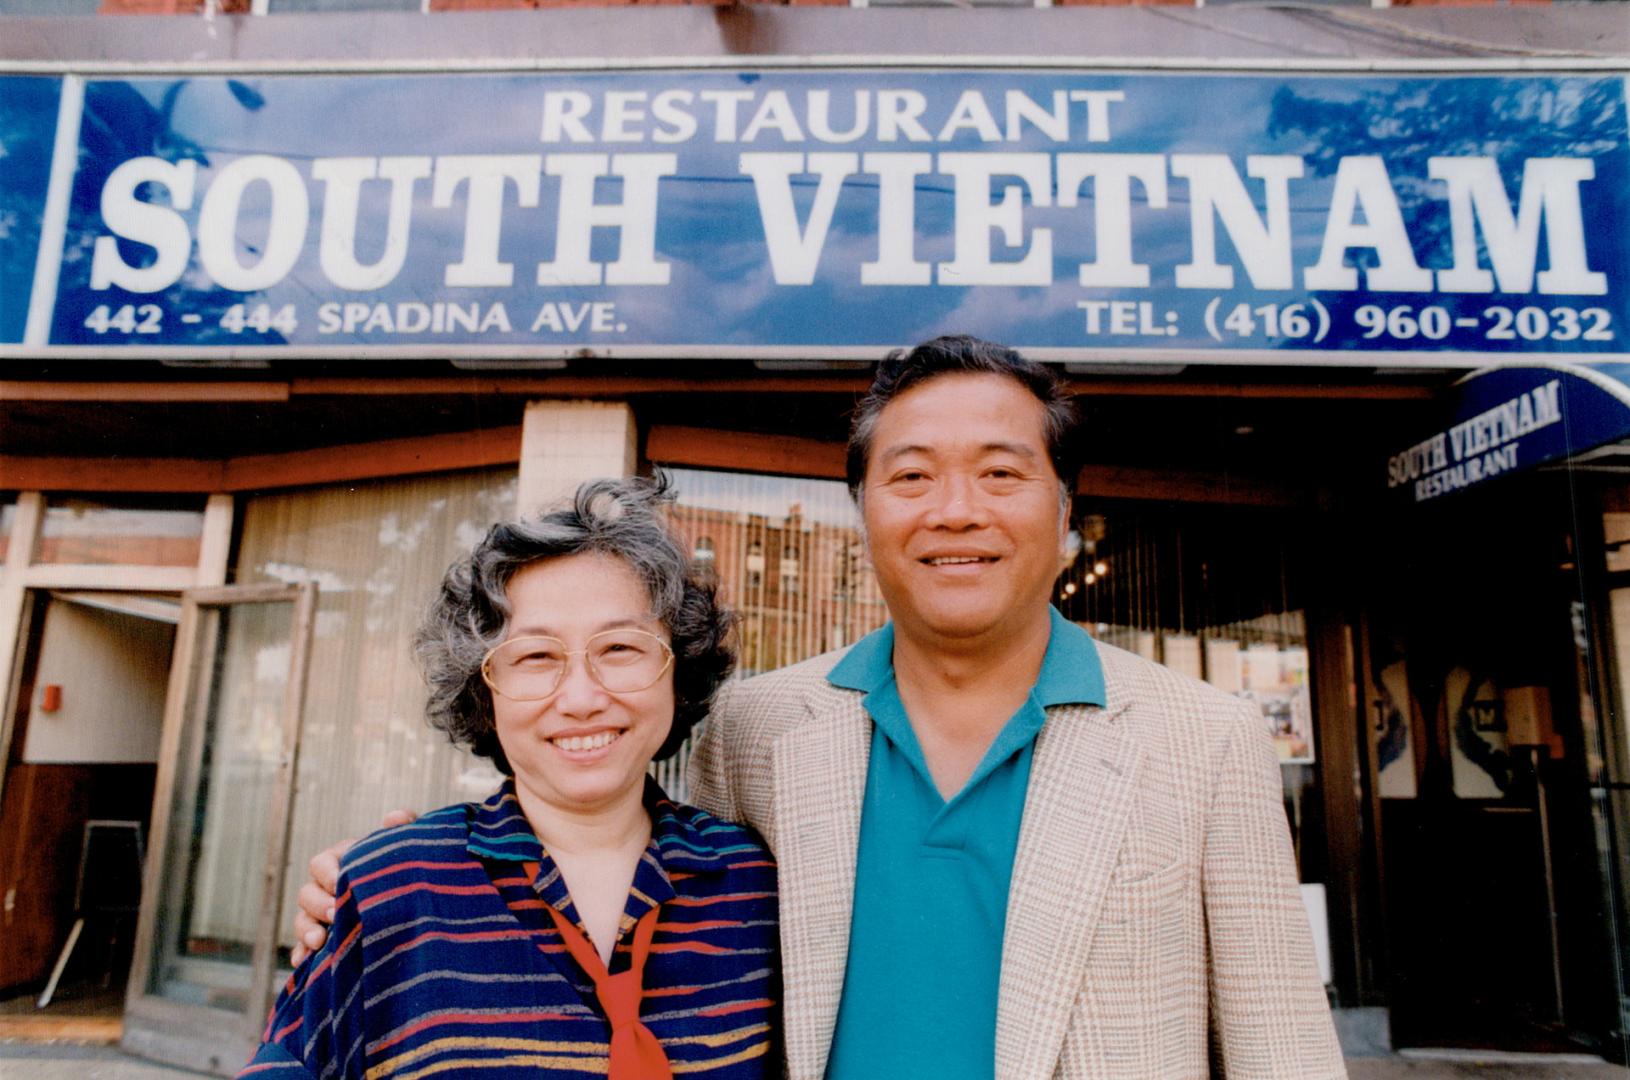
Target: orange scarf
x,y
635,1052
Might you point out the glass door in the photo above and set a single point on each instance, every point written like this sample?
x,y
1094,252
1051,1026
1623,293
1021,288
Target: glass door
x,y
206,941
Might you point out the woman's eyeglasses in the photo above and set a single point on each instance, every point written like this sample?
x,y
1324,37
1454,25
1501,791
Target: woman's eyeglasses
x,y
621,661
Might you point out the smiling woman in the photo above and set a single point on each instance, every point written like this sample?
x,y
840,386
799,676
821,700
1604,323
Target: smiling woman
x,y
523,933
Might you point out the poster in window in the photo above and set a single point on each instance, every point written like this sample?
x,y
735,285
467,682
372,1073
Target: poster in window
x,y
1394,748
1276,679
1224,667
1480,757
1182,654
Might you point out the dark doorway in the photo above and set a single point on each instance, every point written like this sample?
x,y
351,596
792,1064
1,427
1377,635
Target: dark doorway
x,y
1474,669
78,795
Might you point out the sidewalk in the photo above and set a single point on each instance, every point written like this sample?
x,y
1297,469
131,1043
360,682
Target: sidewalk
x,y
67,1061
1511,1067
59,1061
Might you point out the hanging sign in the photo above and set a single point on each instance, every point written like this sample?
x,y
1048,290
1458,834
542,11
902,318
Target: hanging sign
x,y
812,213
1507,419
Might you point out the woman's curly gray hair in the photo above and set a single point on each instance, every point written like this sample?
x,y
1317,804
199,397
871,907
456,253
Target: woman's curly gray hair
x,y
620,518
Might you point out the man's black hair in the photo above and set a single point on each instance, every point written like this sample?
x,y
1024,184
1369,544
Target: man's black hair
x,y
960,354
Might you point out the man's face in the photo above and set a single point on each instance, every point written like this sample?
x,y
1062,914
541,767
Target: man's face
x,y
962,513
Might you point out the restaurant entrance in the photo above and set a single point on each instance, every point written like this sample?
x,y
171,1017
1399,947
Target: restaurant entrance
x,y
78,788
1481,690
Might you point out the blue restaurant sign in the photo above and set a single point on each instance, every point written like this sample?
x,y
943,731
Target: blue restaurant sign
x,y
1444,220
1513,417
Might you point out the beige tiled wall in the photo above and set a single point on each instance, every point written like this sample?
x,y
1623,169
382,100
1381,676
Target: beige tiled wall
x,y
564,443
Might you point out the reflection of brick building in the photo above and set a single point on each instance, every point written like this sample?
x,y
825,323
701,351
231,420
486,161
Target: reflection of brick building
x,y
800,586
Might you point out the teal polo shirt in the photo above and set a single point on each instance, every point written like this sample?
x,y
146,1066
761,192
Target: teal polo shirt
x,y
925,946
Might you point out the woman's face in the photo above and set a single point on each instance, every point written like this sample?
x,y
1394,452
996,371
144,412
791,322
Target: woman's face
x,y
583,748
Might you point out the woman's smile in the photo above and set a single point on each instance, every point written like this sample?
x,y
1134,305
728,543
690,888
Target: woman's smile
x,y
578,744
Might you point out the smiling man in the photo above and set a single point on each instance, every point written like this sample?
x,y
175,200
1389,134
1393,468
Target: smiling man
x,y
1006,850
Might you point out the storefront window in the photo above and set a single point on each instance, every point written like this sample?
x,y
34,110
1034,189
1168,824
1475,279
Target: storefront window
x,y
1211,594
1616,532
8,513
816,593
50,7
288,7
377,552
124,533
203,951
1611,770
789,559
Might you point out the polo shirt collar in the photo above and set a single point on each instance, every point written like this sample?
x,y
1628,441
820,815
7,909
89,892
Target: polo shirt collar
x,y
1071,673
869,664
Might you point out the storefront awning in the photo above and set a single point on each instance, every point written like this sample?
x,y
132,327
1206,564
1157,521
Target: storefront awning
x,y
1513,417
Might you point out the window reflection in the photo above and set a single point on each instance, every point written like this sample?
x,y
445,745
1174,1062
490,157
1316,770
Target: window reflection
x,y
50,7
377,552
788,557
1613,763
789,560
82,531
287,7
223,796
1213,593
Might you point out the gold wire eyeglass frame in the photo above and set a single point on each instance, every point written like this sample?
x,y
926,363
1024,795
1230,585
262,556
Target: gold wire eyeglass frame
x,y
560,677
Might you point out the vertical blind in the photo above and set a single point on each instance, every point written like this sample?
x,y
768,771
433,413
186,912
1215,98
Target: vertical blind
x,y
377,552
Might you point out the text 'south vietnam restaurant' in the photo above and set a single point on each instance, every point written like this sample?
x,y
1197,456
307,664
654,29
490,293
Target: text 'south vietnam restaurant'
x,y
292,306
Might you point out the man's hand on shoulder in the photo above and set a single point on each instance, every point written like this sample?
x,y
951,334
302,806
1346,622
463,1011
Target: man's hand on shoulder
x,y
316,896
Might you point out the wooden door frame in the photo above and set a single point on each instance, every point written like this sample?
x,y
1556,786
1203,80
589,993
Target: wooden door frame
x,y
157,1027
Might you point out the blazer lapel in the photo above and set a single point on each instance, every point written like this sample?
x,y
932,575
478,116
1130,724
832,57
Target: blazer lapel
x,y
820,785
1081,783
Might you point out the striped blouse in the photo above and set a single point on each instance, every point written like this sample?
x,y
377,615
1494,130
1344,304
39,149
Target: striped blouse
x,y
442,959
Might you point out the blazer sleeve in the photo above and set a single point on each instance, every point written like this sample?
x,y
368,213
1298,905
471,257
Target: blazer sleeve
x,y
710,770
317,1021
1269,1014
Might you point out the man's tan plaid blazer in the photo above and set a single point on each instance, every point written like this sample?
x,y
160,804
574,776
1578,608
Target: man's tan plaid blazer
x,y
1154,912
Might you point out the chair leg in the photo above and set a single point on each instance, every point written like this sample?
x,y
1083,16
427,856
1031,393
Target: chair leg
x,y
62,964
